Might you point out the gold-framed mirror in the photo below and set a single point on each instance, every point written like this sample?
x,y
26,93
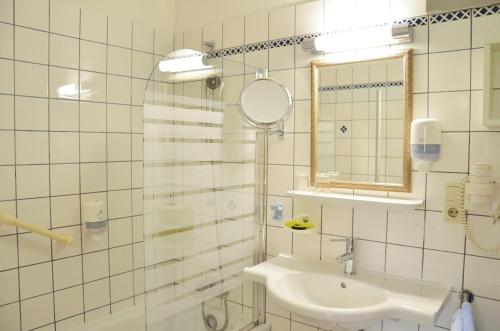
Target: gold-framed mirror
x,y
361,113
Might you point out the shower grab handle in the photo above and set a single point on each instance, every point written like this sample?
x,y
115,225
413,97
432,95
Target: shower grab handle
x,y
62,238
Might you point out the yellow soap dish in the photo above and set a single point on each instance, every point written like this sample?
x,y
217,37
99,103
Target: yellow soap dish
x,y
302,224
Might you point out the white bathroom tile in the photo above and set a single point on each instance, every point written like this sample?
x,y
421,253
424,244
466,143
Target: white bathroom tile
x,y
164,41
408,8
451,108
31,79
65,210
64,19
281,149
454,157
8,179
32,147
7,11
193,39
138,228
280,179
119,147
96,294
138,88
7,150
64,147
369,224
118,118
484,29
93,26
302,84
64,51
32,13
92,56
31,113
142,64
35,280
371,255
8,244
119,89
397,325
256,27
443,235
278,323
233,32
119,175
309,18
443,267
7,78
119,32
404,261
337,220
37,311
95,266
478,276
32,45
59,251
477,69
450,36
302,327
92,117
138,283
64,179
92,147
302,149
406,228
6,112
7,40
36,211
485,233
68,302
142,38
306,246
119,61
281,22
279,241
285,77
449,71
119,204
93,177
9,285
137,119
122,286
339,14
302,116
281,58
63,83
33,249
120,259
421,72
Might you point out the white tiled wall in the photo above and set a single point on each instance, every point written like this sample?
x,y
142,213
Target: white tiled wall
x,y
447,85
61,145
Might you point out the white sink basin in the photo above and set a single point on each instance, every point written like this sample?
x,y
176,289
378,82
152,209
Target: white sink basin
x,y
320,291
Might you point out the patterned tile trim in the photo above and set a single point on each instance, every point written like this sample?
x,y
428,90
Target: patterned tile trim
x,y
414,21
451,16
360,86
486,11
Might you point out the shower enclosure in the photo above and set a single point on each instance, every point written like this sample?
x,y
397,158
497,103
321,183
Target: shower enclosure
x,y
203,200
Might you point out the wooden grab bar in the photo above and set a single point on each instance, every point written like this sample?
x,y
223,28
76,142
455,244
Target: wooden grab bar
x,y
62,238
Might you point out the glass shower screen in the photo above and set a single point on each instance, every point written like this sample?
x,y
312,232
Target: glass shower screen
x,y
201,220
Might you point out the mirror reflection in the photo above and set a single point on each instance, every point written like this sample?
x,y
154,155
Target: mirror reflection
x,y
361,116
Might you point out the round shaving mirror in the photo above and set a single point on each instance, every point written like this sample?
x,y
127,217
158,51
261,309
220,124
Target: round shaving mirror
x,y
264,102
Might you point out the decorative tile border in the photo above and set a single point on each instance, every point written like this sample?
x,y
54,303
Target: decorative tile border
x,y
411,21
486,11
360,86
451,16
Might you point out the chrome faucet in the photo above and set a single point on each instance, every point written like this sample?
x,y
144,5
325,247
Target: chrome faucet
x,y
348,257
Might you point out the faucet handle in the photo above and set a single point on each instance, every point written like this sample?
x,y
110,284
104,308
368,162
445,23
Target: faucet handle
x,y
349,241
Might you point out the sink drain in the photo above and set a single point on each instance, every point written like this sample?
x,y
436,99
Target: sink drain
x,y
344,285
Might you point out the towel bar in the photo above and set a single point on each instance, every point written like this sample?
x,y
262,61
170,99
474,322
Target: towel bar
x,y
62,238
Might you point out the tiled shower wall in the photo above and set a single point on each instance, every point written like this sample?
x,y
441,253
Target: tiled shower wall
x,y
71,91
447,85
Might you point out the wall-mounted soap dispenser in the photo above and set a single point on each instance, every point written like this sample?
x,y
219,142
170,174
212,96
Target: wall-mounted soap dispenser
x,y
94,219
425,143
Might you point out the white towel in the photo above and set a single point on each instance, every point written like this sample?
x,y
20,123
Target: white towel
x,y
456,321
462,319
467,318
